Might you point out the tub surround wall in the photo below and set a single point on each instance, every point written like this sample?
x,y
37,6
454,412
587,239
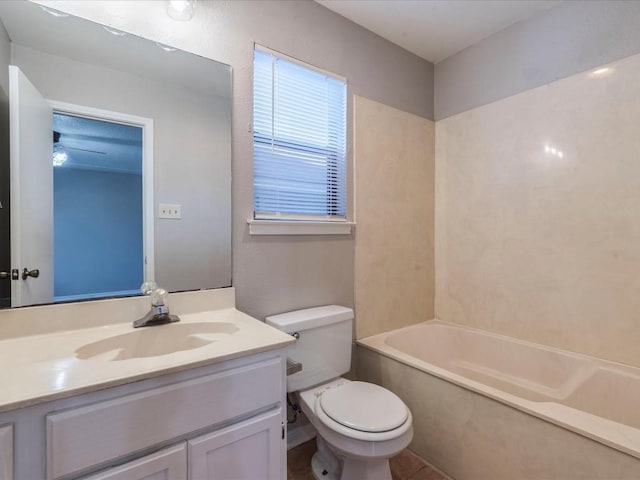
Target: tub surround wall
x,y
536,245
394,277
470,436
565,40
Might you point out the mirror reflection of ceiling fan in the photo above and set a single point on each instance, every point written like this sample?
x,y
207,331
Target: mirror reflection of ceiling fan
x,y
59,150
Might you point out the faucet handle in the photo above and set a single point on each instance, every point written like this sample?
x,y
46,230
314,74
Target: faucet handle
x,y
157,297
148,287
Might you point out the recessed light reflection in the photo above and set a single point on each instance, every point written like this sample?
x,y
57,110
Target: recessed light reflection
x,y
601,72
181,10
113,31
166,48
550,150
53,12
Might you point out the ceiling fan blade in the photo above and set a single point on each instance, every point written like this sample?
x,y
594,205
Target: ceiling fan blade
x,y
84,150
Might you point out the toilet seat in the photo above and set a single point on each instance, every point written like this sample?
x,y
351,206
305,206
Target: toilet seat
x,y
363,406
311,399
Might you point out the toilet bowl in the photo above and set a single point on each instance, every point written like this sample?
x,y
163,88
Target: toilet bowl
x,y
362,424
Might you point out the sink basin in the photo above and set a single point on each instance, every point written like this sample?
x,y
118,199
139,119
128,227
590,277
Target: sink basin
x,y
155,341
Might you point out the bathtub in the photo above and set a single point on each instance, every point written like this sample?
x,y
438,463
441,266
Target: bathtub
x,y
490,406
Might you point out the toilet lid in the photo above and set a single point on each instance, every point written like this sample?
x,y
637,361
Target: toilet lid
x,y
364,406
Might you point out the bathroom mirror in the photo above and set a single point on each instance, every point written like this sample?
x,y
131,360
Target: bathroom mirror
x,y
140,135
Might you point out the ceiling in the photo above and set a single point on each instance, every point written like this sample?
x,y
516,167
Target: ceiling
x,y
437,29
99,145
84,41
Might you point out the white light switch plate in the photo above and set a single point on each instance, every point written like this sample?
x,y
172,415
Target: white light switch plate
x,y
169,210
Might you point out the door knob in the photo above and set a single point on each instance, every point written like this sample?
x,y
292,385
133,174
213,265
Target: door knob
x,y
13,274
26,273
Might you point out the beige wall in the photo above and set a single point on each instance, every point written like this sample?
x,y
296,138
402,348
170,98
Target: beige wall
x,y
539,247
394,154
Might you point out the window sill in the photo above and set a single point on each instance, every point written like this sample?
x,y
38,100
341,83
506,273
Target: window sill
x,y
283,227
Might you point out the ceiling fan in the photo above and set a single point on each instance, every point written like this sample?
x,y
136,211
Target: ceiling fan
x,y
56,142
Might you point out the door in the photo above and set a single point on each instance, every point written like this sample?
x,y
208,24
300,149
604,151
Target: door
x,y
250,450
31,145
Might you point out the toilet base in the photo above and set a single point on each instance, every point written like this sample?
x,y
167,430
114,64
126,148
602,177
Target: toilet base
x,y
325,465
370,470
320,472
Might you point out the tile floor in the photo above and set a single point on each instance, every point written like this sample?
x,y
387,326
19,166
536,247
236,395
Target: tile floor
x,y
405,466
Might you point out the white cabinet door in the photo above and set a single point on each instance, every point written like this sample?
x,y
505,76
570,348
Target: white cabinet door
x,y
167,464
249,450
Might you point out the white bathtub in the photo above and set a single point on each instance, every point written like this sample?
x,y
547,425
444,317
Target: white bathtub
x,y
592,397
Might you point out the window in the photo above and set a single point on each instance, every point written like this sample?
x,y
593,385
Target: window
x,y
299,141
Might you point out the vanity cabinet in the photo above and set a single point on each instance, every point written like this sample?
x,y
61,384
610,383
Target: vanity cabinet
x,y
219,421
249,450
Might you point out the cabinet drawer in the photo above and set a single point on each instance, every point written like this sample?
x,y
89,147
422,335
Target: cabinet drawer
x,y
94,435
167,464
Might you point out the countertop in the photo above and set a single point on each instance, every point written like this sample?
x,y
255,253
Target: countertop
x,y
53,365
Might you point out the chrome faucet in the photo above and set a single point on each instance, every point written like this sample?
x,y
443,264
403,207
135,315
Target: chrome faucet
x,y
159,312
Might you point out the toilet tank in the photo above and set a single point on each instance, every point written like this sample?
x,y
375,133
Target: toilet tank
x,y
324,343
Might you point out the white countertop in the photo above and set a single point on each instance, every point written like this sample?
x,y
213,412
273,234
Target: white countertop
x,y
39,368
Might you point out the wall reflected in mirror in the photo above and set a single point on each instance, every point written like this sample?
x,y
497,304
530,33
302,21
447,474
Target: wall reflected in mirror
x,y
98,190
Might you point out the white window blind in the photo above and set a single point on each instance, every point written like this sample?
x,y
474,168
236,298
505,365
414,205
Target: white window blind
x,y
299,141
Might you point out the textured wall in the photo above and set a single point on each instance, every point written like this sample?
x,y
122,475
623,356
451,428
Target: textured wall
x,y
276,274
570,38
538,245
394,153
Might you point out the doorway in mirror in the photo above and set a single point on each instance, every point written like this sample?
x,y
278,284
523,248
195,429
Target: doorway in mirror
x,y
97,208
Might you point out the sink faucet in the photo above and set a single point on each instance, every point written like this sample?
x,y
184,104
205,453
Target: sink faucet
x,y
159,312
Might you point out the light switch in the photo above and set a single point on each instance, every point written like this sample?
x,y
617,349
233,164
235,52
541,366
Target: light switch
x,y
170,210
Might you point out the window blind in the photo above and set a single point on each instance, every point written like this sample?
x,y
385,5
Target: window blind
x,y
299,141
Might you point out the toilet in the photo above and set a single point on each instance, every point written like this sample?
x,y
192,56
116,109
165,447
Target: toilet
x,y
359,425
